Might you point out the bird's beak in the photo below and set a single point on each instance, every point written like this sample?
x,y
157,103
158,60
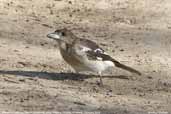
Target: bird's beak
x,y
54,36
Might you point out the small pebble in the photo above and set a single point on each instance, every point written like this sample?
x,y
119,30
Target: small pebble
x,y
122,50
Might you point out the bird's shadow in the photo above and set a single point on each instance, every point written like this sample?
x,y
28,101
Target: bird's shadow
x,y
56,76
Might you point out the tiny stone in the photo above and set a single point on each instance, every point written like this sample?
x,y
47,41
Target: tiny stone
x,y
121,49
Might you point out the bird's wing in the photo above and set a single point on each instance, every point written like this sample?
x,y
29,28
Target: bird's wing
x,y
85,47
89,44
98,55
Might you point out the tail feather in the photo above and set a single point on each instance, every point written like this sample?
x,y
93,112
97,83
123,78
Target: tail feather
x,y
118,64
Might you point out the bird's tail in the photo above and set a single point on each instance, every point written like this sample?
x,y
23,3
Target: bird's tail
x,y
118,64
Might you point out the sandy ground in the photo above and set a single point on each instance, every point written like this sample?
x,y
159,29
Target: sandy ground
x,y
34,77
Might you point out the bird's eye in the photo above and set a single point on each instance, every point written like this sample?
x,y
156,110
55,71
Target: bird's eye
x,y
62,33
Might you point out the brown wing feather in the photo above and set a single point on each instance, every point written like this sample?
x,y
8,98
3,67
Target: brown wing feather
x,y
88,43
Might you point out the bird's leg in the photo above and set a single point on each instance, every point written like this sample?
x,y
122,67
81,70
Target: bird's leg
x,y
101,82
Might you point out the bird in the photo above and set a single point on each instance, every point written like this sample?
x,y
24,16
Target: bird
x,y
84,54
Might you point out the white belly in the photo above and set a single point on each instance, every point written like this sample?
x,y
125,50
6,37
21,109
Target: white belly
x,y
95,66
100,66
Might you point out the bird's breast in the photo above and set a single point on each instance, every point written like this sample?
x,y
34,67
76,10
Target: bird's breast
x,y
70,58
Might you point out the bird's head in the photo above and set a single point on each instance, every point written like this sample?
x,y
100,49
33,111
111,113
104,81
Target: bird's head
x,y
60,34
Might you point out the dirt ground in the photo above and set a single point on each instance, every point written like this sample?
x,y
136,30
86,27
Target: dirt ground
x,y
34,77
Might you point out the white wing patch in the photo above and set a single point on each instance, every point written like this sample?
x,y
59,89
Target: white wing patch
x,y
98,50
99,58
84,49
81,50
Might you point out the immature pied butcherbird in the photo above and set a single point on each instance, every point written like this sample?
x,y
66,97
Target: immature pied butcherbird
x,y
84,54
